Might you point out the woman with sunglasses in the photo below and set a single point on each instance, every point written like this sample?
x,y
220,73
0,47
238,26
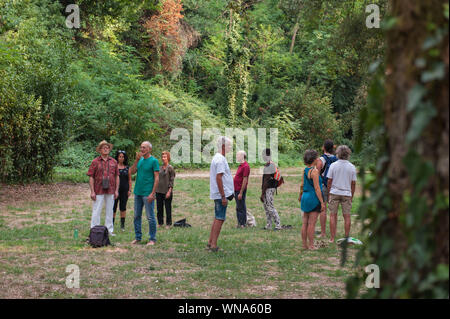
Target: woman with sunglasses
x,y
124,187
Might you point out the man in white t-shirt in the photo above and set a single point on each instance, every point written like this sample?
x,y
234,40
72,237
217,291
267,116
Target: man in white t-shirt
x,y
221,188
341,188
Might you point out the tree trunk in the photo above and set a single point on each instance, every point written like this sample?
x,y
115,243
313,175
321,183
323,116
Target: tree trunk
x,y
294,35
404,46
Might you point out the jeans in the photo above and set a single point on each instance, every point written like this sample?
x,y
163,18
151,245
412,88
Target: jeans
x,y
139,203
241,208
220,211
161,202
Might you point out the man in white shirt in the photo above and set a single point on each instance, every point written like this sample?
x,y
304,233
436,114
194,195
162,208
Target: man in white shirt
x,y
341,188
221,188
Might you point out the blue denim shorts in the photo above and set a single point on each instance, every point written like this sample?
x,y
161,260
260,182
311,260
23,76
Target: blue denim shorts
x,y
219,210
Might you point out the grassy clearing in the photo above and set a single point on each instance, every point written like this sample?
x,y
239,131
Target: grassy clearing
x,y
36,244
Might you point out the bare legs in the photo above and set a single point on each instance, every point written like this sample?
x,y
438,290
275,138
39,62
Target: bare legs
x,y
347,224
323,223
333,225
215,231
308,229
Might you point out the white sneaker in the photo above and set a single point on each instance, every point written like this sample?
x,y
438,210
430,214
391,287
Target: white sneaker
x,y
112,234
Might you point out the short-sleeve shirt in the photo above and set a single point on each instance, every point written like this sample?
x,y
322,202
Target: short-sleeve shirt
x,y
145,179
242,171
219,165
99,169
343,174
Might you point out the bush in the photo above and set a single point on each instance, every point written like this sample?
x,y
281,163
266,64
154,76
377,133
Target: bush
x,y
35,88
78,155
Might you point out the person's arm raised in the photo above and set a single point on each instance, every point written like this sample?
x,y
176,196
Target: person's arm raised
x,y
133,169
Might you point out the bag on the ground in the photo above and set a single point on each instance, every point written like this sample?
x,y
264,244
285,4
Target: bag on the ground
x,y
99,236
350,241
324,171
251,221
181,223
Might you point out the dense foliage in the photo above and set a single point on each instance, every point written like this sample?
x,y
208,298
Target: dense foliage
x,y
406,215
135,70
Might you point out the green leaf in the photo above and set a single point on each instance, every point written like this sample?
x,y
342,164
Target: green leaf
x,y
436,73
422,118
415,96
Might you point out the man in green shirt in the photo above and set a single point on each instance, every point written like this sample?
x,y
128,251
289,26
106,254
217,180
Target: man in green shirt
x,y
147,168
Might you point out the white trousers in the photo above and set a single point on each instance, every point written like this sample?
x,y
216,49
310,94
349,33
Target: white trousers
x,y
97,211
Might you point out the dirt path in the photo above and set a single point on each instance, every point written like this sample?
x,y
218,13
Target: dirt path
x,y
75,194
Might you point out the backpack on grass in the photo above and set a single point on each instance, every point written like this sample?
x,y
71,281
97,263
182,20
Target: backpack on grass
x,y
181,223
99,236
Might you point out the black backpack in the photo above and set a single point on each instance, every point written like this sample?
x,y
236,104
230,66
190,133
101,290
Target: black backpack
x,y
181,223
99,236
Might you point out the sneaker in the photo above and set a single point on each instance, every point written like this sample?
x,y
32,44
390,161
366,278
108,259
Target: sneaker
x,y
122,229
112,234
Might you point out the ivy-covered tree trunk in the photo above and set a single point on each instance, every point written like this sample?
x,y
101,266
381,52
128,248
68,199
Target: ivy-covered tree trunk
x,y
416,121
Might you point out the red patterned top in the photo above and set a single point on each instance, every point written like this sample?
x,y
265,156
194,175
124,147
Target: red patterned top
x,y
99,169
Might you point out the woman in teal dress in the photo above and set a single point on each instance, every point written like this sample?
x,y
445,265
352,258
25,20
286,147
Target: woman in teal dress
x,y
311,200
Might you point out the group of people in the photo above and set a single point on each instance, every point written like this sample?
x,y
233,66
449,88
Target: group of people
x,y
110,185
328,179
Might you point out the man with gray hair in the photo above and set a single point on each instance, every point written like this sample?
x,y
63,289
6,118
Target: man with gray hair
x,y
240,188
221,188
341,187
147,168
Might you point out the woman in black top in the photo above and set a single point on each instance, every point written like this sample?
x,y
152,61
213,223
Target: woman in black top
x,y
124,187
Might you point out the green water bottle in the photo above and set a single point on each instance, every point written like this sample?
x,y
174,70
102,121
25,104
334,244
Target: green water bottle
x,y
75,233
